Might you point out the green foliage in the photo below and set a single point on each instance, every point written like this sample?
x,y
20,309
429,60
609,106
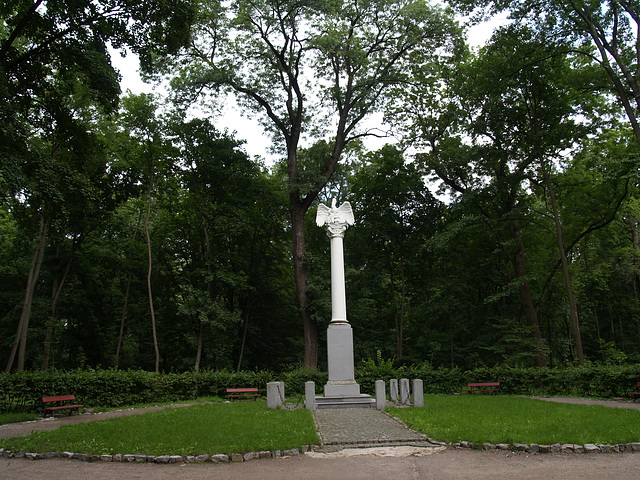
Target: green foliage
x,y
21,391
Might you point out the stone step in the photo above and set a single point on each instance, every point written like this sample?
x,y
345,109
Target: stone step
x,y
355,401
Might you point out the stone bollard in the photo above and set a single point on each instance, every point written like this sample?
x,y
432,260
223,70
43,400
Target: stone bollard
x,y
393,390
310,395
381,397
275,394
418,393
405,394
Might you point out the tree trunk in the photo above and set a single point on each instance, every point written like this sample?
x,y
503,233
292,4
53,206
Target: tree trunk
x,y
528,307
207,252
394,302
55,294
301,274
595,315
149,270
633,224
196,367
573,309
20,342
126,300
244,338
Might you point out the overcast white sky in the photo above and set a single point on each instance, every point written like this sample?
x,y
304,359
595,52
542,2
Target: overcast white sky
x,y
257,144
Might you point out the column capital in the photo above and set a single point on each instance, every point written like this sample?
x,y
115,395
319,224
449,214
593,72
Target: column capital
x,y
336,229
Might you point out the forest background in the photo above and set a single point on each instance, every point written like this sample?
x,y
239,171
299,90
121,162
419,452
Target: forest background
x,y
500,227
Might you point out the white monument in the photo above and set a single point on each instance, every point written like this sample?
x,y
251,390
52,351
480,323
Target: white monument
x,y
339,334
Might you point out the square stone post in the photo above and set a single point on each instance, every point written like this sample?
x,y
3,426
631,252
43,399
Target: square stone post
x,y
275,394
393,390
418,393
381,397
405,394
310,395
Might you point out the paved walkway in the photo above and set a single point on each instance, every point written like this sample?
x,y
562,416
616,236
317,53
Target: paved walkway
x,y
363,427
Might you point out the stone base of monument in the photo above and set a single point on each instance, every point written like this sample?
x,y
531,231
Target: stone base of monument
x,y
354,401
341,391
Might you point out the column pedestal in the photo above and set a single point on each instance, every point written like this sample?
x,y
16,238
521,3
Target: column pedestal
x,y
340,362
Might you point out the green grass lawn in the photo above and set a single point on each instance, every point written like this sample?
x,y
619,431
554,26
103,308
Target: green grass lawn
x,y
212,428
506,419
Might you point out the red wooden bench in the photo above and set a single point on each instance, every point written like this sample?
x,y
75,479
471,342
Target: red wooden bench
x,y
48,401
483,387
242,393
635,394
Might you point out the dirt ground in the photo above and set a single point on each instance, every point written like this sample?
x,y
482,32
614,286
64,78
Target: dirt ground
x,y
439,464
446,464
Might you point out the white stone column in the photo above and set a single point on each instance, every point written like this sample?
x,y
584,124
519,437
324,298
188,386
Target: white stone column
x,y
339,333
338,290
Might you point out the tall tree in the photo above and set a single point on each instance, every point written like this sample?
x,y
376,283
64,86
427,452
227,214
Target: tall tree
x,y
395,212
607,33
301,66
518,102
49,50
152,154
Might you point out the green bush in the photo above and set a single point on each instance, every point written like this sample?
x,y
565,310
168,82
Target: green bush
x,y
21,391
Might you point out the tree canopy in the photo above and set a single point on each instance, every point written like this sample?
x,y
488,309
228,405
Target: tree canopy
x,y
498,226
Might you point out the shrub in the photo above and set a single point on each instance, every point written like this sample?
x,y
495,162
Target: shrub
x,y
21,391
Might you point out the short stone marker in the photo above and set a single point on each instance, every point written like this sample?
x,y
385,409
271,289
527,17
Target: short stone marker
x,y
418,393
275,394
381,397
310,395
393,389
405,395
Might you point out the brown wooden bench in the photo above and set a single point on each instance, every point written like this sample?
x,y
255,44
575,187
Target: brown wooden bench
x,y
485,387
49,408
636,394
242,393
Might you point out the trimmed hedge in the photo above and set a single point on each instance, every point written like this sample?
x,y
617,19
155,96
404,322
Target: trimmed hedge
x,y
115,388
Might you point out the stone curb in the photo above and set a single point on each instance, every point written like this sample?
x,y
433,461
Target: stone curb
x,y
555,448
162,459
245,457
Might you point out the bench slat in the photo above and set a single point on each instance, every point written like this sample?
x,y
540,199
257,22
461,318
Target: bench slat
x,y
483,387
63,407
242,393
60,398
